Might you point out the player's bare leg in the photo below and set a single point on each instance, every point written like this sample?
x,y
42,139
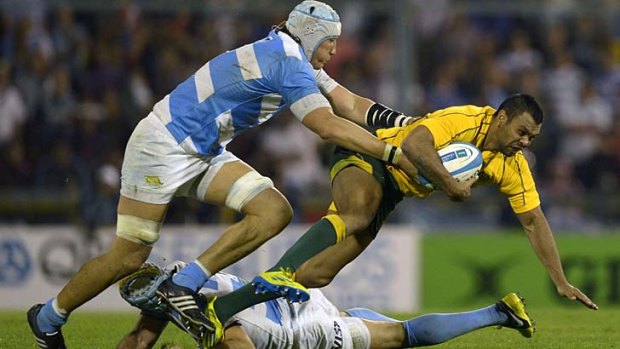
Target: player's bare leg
x,y
265,216
386,335
122,258
266,213
321,269
96,275
357,195
362,189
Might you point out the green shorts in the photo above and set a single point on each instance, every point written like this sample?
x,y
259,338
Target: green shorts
x,y
343,158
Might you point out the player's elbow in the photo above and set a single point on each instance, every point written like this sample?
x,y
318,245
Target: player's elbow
x,y
419,138
328,132
531,218
331,128
326,125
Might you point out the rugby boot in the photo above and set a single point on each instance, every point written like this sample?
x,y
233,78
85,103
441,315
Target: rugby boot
x,y
282,283
513,306
183,309
52,340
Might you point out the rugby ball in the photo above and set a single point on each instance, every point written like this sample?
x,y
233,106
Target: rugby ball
x,y
462,160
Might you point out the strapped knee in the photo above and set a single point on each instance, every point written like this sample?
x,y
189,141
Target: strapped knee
x,y
138,230
360,335
246,188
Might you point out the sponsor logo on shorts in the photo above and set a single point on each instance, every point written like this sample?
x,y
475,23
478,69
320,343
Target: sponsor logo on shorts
x,y
153,181
337,336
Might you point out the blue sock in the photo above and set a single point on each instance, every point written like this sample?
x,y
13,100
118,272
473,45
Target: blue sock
x,y
368,314
48,319
437,328
192,276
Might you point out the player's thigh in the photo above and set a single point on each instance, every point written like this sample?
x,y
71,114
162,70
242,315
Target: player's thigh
x,y
237,185
356,192
140,209
221,183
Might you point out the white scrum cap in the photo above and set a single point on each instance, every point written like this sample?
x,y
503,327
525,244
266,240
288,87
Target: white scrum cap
x,y
313,22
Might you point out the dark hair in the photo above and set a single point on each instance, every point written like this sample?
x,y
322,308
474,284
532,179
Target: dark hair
x,y
520,103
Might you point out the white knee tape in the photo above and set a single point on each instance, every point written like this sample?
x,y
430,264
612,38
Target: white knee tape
x,y
138,230
246,188
360,335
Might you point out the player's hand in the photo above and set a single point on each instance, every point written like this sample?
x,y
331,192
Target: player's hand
x,y
459,191
573,293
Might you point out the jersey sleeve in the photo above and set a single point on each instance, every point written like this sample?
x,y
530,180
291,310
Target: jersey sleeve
x,y
453,124
513,177
298,87
325,82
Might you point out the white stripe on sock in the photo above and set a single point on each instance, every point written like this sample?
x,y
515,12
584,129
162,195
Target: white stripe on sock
x,y
59,311
203,268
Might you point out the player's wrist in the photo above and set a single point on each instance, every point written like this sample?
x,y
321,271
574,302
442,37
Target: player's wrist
x,y
392,154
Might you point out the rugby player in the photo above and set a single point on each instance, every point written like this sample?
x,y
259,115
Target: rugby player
x,y
315,324
366,190
179,149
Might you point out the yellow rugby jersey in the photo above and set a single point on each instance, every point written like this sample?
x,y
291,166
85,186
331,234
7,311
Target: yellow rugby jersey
x,y
469,124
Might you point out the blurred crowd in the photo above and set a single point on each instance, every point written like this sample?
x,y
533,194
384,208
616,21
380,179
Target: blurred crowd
x,y
73,84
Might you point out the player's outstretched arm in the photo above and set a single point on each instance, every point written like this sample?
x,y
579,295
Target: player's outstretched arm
x,y
148,329
364,111
346,134
144,334
348,105
542,242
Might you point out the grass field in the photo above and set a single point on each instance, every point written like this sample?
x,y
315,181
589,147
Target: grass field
x,y
556,328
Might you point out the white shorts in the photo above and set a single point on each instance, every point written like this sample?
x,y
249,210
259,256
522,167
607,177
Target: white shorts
x,y
156,168
315,324
320,325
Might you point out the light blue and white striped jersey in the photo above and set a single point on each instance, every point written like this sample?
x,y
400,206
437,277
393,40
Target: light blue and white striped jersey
x,y
240,89
276,312
278,324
